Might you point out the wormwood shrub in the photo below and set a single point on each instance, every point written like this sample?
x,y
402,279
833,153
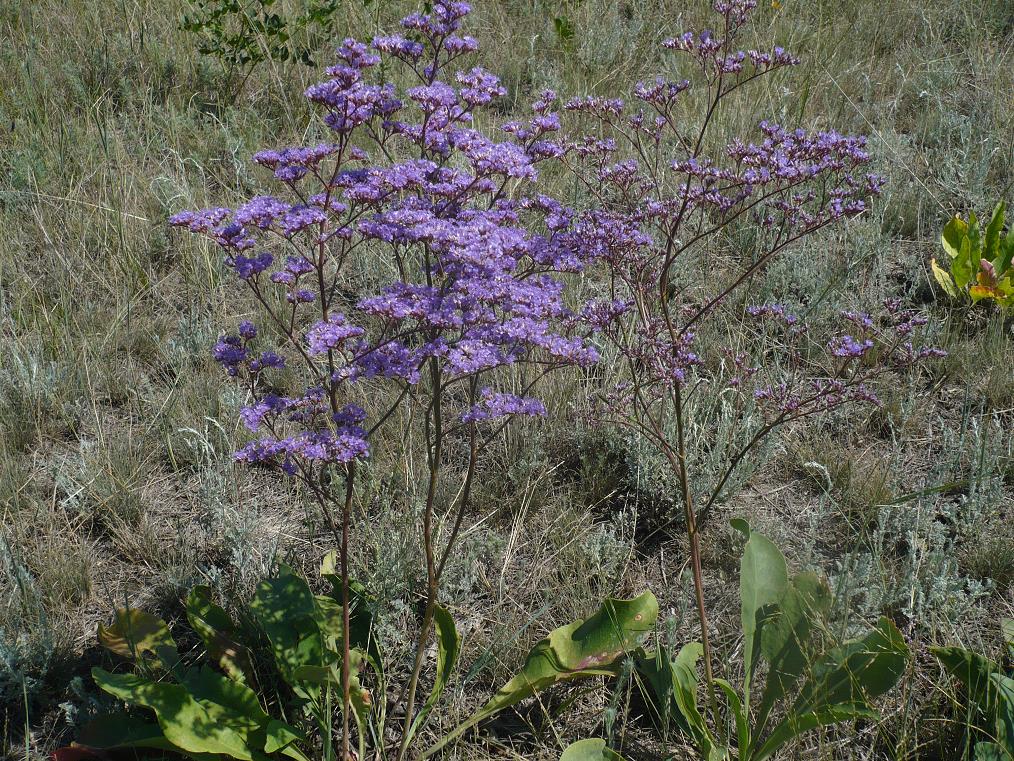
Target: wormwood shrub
x,y
27,640
410,274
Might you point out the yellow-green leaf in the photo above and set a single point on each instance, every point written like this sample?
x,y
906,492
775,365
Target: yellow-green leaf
x,y
135,633
588,647
592,749
448,650
954,232
944,279
214,626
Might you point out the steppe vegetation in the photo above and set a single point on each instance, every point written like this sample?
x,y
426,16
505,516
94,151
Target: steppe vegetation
x,y
891,497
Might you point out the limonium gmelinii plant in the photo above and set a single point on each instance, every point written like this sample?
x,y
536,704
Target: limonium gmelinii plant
x,y
472,255
665,186
409,258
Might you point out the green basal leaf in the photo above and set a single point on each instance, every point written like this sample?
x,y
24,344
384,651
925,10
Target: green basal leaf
x,y
589,647
993,229
327,612
593,749
1003,689
954,232
1005,257
208,686
974,235
684,686
739,714
965,266
972,670
656,682
286,609
135,633
583,648
989,689
971,250
785,638
190,725
858,670
763,582
280,737
206,713
448,650
216,628
841,684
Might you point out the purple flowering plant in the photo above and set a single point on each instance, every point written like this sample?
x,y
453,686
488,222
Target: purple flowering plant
x,y
478,257
664,186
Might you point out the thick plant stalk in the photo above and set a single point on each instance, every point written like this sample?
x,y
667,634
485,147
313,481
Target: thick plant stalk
x,y
436,453
346,613
695,550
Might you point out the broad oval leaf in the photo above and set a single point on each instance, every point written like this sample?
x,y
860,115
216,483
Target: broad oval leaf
x,y
216,629
135,633
592,749
763,582
286,610
858,670
448,650
954,232
588,647
842,683
191,725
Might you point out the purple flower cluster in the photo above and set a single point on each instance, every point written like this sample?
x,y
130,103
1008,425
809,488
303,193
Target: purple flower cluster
x,y
233,352
848,347
477,258
478,252
330,334
716,56
498,405
661,197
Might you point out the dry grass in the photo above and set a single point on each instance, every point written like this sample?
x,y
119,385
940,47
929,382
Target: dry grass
x,y
115,430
